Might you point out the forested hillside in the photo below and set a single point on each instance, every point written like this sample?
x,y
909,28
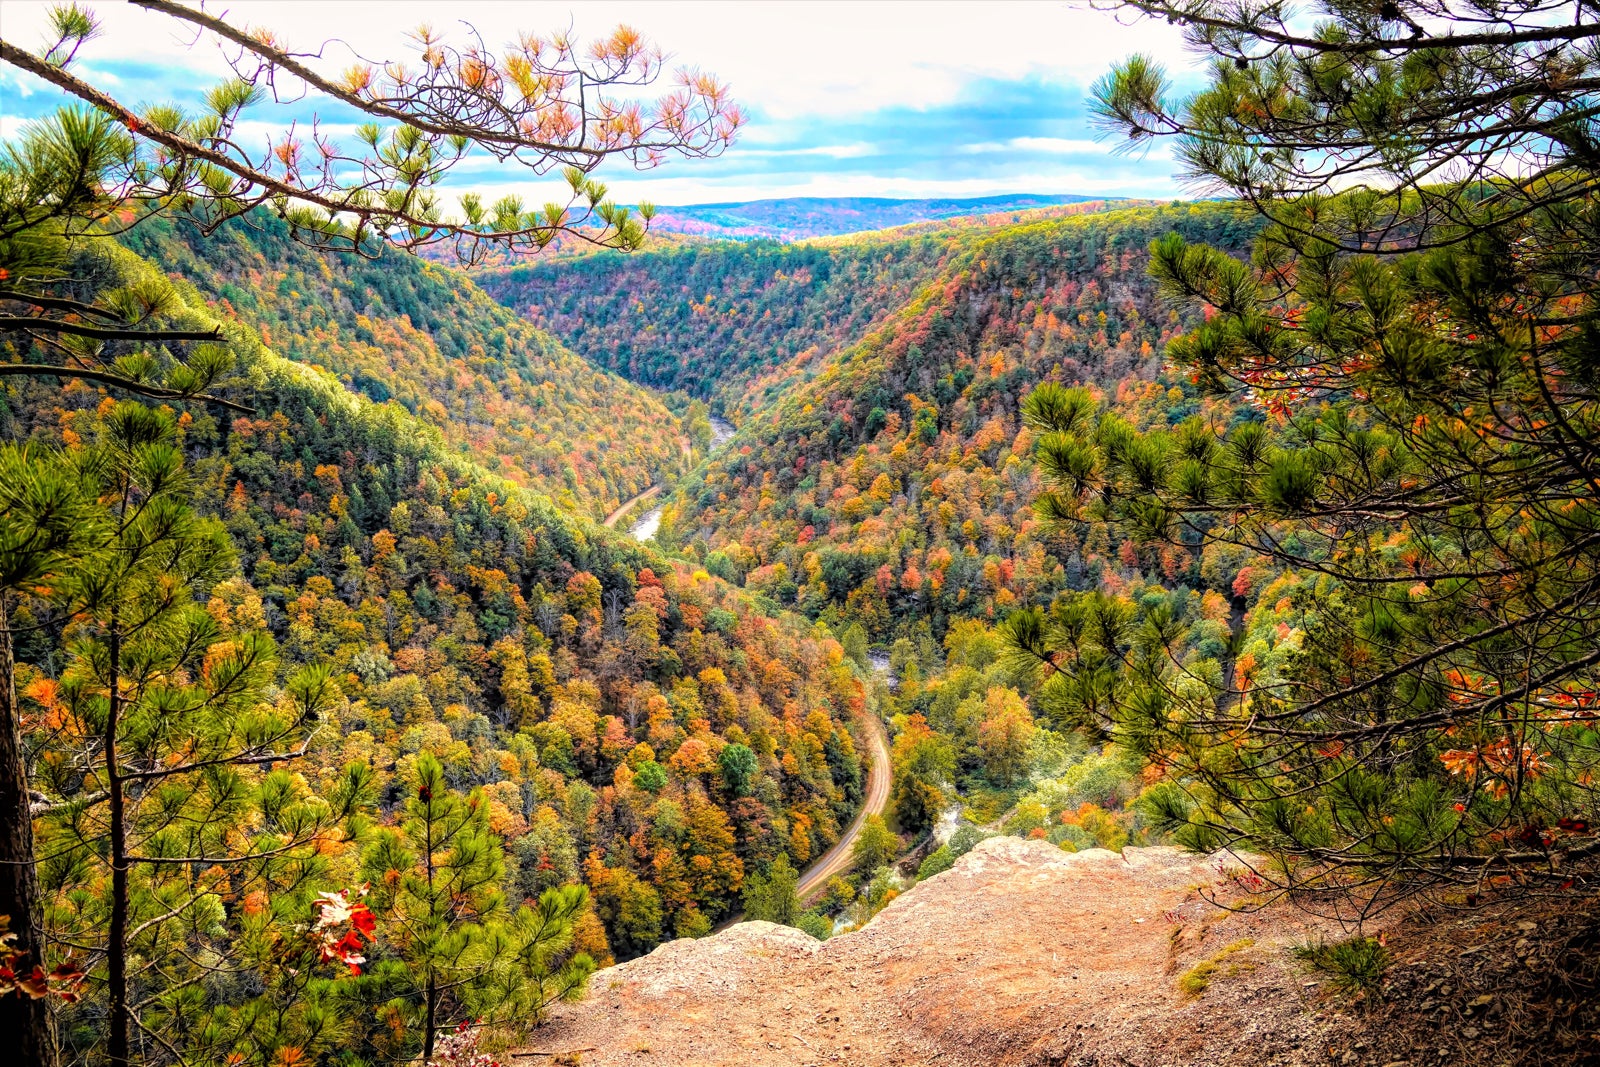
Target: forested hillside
x,y
737,324
394,327
883,481
607,716
894,487
339,727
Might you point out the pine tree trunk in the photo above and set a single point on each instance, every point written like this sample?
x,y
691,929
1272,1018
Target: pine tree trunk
x,y
116,936
433,1009
433,905
24,1022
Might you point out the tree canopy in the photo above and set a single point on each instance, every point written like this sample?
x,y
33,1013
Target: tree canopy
x,y
1415,333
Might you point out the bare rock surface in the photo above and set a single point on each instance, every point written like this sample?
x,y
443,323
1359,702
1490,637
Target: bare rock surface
x,y
1020,954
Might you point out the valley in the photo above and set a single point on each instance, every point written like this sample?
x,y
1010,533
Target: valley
x,y
913,406
650,522
456,610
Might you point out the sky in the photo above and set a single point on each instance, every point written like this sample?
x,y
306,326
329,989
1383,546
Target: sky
x,y
843,99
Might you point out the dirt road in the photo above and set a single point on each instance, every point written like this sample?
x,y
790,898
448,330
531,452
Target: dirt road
x,y
611,519
837,859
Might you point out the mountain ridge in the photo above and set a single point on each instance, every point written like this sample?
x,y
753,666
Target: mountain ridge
x,y
799,217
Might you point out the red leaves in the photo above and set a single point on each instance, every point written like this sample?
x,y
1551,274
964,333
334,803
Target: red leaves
x,y
336,911
64,981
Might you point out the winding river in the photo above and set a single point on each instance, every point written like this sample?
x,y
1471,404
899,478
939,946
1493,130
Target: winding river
x,y
650,521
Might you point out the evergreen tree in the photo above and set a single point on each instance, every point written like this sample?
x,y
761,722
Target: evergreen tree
x,y
162,724
1416,330
771,896
452,953
438,877
44,529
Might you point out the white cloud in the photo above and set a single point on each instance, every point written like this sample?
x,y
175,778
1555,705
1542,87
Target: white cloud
x,y
858,150
820,81
783,59
1058,146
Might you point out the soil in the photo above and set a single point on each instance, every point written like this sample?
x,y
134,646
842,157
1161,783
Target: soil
x,y
1023,954
1020,954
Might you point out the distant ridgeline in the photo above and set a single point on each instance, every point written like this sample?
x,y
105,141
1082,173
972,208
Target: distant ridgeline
x,y
796,218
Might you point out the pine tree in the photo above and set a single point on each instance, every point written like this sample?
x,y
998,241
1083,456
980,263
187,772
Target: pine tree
x,y
452,954
45,527
162,725
1415,333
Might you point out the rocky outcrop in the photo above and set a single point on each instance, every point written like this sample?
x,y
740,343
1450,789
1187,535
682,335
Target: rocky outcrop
x,y
1020,954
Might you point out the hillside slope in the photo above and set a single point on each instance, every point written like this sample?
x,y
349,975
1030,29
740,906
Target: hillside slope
x,y
586,683
897,482
738,323
395,327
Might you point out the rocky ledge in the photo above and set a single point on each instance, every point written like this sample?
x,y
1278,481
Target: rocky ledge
x,y
1020,954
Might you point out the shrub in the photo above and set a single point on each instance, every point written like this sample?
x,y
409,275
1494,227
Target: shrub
x,y
816,924
963,840
1353,966
939,861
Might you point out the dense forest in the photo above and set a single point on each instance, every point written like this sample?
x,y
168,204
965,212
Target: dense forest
x,y
890,493
393,327
738,323
336,729
621,718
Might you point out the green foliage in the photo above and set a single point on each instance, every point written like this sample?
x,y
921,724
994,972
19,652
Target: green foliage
x,y
878,892
739,766
163,722
576,701
1355,965
854,642
924,763
963,840
1399,687
399,330
875,846
815,923
939,860
771,896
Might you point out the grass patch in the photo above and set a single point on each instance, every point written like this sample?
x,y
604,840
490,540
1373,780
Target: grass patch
x,y
1353,966
1197,979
